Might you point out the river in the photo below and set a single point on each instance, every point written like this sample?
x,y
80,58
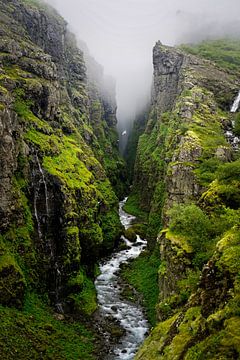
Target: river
x,y
111,304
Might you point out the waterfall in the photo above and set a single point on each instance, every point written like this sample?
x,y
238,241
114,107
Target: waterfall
x,y
58,281
236,103
232,139
45,219
45,185
36,213
41,184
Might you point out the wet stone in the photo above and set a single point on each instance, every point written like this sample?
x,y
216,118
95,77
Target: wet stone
x,y
121,317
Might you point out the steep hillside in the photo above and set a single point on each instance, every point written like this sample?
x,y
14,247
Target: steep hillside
x,y
59,168
187,181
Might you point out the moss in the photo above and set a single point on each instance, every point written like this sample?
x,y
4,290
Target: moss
x,y
111,228
68,167
189,284
77,280
17,241
140,229
152,347
192,138
192,224
22,108
130,235
229,248
206,172
142,275
224,52
131,148
37,333
46,143
132,207
86,301
180,240
69,160
223,344
12,282
237,124
232,328
72,254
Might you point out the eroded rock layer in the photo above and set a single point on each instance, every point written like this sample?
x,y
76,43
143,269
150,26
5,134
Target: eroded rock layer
x,y
60,169
187,181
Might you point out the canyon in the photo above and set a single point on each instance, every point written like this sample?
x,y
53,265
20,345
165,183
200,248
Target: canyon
x,y
62,179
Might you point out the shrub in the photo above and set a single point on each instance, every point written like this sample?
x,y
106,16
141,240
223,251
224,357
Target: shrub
x,y
191,222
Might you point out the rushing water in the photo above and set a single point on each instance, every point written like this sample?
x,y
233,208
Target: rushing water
x,y
236,103
129,315
231,137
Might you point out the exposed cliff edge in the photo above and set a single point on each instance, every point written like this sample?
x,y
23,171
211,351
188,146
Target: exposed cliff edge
x,y
60,168
61,175
187,180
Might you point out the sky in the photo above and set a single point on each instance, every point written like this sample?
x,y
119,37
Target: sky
x,y
120,35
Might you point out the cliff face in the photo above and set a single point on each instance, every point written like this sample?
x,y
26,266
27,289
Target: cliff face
x,y
58,208
181,180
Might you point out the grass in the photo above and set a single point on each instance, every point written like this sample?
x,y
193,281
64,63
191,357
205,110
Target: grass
x,y
142,274
86,301
132,207
35,333
224,52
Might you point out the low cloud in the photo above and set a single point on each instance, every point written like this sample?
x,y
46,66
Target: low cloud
x,y
121,35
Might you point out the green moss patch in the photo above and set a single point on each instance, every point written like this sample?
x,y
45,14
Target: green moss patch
x,y
36,333
86,301
12,282
132,207
141,273
224,52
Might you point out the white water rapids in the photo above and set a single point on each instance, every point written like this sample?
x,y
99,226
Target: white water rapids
x,y
232,138
236,103
130,315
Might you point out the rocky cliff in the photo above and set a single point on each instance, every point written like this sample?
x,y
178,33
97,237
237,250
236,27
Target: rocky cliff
x,y
58,158
186,180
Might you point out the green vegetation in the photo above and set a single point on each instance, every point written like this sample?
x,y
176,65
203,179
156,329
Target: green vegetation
x,y
237,124
141,273
195,193
130,234
224,52
105,148
38,332
132,144
148,194
132,207
68,164
190,222
84,302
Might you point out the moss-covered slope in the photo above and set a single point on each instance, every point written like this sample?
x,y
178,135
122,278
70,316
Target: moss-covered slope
x,y
186,179
58,153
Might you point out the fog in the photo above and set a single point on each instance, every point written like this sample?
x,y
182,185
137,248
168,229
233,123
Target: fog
x,y
120,35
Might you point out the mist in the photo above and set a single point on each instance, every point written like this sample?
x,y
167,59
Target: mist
x,y
120,35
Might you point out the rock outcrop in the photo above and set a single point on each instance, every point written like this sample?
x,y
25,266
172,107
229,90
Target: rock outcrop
x,y
58,154
181,181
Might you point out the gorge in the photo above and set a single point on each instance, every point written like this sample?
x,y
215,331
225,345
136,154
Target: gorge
x,y
62,179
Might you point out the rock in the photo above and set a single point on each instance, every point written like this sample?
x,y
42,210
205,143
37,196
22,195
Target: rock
x,y
130,235
52,183
12,282
59,317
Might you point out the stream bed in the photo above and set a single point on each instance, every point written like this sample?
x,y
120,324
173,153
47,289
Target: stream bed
x,y
130,316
